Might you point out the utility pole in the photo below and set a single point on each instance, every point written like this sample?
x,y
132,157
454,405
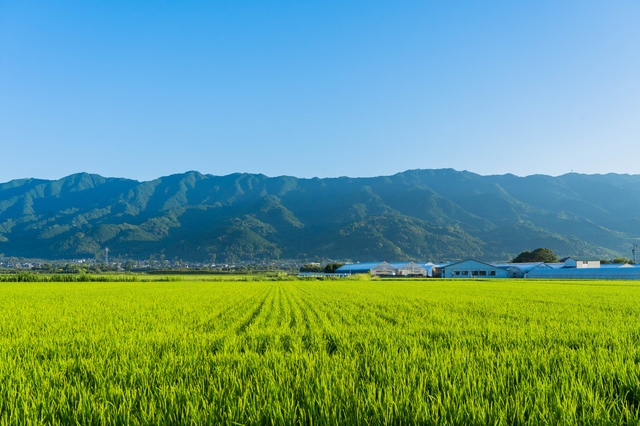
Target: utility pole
x,y
634,250
106,255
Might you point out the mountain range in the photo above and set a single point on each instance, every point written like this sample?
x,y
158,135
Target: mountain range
x,y
424,215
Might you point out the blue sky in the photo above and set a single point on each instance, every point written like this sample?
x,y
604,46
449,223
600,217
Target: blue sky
x,y
327,88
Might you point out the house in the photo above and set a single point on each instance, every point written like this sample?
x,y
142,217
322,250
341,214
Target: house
x,y
581,262
471,268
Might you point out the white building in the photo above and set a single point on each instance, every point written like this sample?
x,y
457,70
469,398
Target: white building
x,y
581,262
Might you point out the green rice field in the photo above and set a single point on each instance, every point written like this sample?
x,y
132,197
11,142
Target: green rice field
x,y
320,352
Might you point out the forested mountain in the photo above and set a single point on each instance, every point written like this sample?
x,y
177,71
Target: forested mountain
x,y
415,215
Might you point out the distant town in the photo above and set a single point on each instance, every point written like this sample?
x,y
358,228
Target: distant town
x,y
541,263
90,265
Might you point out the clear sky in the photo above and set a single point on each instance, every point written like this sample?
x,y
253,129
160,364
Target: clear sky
x,y
325,88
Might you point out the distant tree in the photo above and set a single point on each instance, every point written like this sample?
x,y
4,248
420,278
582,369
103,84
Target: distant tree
x,y
331,268
311,268
631,262
620,260
604,262
538,255
129,265
73,269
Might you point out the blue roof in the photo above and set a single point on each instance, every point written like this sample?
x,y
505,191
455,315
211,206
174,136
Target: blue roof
x,y
320,274
502,265
587,273
527,266
586,258
399,264
364,267
471,260
615,265
357,267
556,265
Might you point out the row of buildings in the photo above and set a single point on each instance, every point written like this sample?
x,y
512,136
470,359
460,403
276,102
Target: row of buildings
x,y
575,267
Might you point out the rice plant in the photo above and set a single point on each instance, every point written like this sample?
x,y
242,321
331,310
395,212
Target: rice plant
x,y
320,352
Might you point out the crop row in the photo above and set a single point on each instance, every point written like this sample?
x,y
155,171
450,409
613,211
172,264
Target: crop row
x,y
385,352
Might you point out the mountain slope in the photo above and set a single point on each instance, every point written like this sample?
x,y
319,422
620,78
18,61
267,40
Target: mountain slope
x,y
415,215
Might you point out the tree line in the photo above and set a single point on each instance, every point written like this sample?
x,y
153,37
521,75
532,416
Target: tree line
x,y
548,256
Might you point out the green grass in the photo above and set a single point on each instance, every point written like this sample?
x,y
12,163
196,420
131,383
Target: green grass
x,y
321,352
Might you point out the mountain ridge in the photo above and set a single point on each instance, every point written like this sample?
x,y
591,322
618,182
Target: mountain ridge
x,y
419,214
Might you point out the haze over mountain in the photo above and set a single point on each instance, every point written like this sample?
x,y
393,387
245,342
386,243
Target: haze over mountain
x,y
426,215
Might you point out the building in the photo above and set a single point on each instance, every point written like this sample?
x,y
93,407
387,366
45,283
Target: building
x,y
321,274
519,270
384,269
581,262
617,265
357,268
437,270
556,265
471,268
574,267
410,269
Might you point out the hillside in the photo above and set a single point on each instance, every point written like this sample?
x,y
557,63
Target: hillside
x,y
415,215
